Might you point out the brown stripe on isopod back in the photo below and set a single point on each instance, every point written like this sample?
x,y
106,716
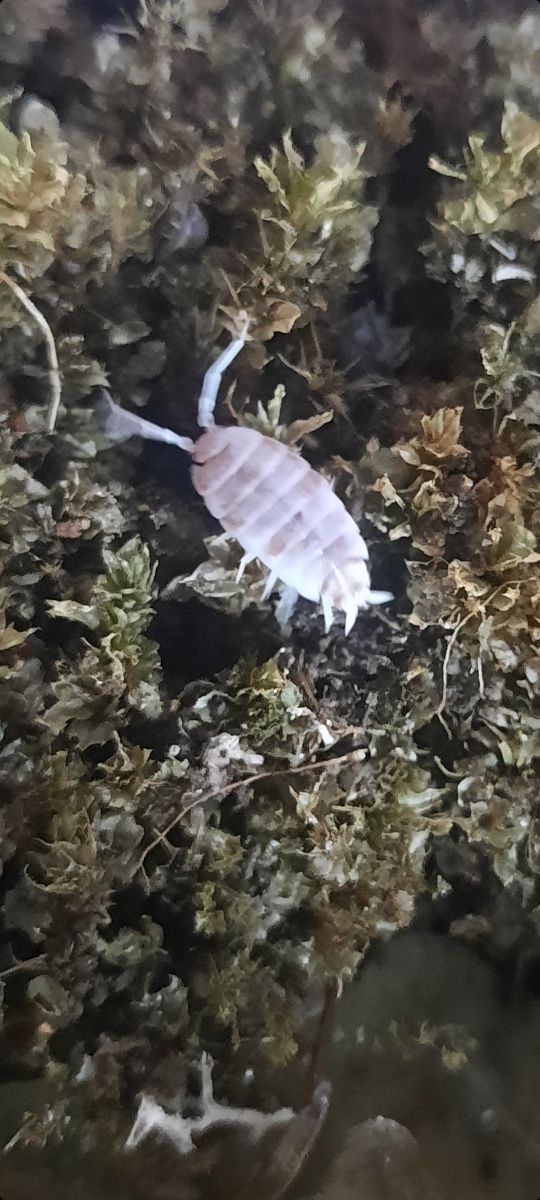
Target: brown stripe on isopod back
x,y
298,535
336,524
315,512
284,538
268,511
214,474
256,475
343,547
247,491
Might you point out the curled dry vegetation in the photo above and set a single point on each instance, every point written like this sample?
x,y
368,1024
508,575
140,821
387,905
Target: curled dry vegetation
x,y
187,859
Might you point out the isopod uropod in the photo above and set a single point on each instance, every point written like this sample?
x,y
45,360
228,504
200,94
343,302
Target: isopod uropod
x,y
266,495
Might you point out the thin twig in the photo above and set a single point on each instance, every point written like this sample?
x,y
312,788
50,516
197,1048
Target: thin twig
x,y
322,1037
451,643
50,344
221,793
28,965
446,770
480,669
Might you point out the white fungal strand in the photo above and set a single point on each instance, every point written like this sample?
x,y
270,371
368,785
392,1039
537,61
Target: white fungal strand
x,y
285,514
175,1128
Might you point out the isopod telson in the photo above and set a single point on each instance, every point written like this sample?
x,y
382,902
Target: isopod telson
x,y
265,494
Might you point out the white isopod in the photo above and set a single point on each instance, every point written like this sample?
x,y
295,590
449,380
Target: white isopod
x,y
266,495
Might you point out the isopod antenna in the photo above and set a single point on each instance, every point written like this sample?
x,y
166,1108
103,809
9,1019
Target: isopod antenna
x,y
119,425
212,379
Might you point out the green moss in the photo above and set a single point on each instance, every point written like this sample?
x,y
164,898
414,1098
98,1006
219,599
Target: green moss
x,y
123,668
37,195
501,189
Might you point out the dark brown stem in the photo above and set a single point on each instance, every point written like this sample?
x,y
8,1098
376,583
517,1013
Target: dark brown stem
x,y
221,793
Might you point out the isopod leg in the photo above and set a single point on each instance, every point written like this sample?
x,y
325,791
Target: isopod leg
x,y
380,597
270,584
286,604
328,614
244,562
351,613
213,377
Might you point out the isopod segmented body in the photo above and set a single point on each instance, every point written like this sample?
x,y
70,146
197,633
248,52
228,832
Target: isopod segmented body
x,y
278,508
284,513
